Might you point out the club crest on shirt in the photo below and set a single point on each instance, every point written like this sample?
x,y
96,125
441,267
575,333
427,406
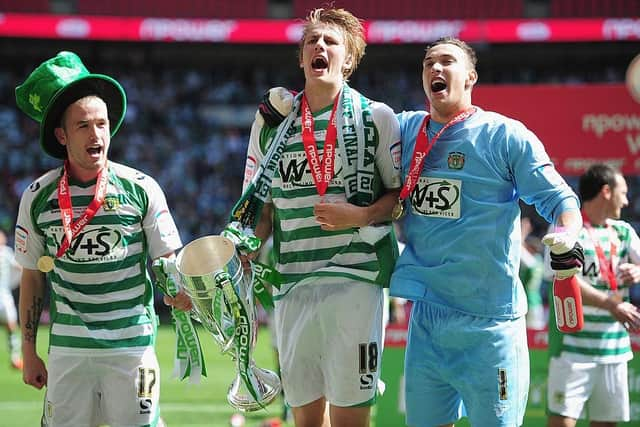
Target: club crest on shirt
x,y
455,160
111,203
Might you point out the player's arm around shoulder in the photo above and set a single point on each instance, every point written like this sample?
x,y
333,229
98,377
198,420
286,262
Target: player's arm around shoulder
x,y
389,147
275,106
386,123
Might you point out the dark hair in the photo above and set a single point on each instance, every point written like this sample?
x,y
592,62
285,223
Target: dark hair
x,y
592,181
471,54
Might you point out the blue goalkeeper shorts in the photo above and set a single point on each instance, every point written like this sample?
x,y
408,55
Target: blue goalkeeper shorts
x,y
462,365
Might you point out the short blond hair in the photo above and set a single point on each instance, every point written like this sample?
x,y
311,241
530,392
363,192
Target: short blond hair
x,y
350,27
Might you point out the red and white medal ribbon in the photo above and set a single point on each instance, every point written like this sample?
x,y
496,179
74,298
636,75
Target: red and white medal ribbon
x,y
71,230
607,266
321,169
422,148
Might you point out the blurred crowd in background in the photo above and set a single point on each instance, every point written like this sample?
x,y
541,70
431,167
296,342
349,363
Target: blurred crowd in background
x,y
188,127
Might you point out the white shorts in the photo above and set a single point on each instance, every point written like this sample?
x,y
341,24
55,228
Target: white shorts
x,y
118,390
330,342
593,391
8,313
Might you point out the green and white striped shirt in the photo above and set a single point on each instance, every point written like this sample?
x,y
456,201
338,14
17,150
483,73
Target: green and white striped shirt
x,y
302,249
603,339
101,292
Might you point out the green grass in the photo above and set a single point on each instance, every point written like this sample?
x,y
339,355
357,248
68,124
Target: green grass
x,y
182,404
205,404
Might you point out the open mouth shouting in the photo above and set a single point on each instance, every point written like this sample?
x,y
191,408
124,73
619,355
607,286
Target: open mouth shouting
x,y
95,151
438,86
319,63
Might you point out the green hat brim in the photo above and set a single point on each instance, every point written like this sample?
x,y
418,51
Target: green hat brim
x,y
108,89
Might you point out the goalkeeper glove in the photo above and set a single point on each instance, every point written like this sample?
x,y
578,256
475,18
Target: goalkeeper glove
x,y
567,255
276,104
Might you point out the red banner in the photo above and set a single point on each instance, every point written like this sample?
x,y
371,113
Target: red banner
x,y
396,335
578,124
288,31
538,338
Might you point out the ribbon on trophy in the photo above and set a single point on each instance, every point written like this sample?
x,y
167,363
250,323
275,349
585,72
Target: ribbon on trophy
x,y
247,242
189,360
265,274
243,334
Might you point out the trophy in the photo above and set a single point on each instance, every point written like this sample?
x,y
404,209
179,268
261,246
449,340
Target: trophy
x,y
211,273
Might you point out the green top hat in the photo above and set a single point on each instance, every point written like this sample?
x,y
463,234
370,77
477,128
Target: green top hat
x,y
56,84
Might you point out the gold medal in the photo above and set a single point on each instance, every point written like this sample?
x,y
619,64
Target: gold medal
x,y
45,264
398,211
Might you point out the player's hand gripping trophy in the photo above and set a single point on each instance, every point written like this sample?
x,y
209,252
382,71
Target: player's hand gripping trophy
x,y
210,272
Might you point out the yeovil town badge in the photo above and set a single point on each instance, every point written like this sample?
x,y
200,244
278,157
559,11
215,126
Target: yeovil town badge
x,y
455,160
111,203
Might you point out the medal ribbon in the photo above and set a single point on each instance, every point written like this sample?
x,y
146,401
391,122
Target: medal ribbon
x,y
423,147
321,169
606,265
66,208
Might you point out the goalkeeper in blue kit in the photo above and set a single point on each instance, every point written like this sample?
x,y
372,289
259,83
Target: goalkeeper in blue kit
x,y
464,171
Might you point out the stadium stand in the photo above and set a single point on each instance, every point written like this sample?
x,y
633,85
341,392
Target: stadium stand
x,y
428,9
24,6
196,100
595,8
219,9
198,117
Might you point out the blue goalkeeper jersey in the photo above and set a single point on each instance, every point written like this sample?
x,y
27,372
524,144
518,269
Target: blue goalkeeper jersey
x,y
462,227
